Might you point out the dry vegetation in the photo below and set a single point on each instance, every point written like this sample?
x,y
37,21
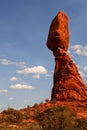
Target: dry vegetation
x,y
46,116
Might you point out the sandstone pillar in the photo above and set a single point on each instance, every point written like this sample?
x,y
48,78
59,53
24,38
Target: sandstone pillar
x,y
67,82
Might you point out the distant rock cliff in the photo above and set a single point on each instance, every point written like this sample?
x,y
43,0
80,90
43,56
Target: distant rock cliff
x,y
68,84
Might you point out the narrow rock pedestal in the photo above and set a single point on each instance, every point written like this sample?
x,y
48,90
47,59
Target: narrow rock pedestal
x,y
67,82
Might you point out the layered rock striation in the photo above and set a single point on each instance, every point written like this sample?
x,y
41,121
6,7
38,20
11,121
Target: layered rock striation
x,y
67,82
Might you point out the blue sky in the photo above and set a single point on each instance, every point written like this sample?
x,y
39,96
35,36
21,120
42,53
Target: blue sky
x,y
26,64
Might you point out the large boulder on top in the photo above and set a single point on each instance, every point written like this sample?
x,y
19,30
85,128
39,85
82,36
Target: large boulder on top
x,y
58,33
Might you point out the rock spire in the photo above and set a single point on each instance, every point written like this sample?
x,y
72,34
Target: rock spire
x,y
67,82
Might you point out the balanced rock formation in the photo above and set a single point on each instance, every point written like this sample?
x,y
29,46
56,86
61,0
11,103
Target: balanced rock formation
x,y
68,84
58,34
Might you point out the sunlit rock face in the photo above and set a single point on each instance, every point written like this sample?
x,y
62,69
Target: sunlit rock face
x,y
58,34
67,82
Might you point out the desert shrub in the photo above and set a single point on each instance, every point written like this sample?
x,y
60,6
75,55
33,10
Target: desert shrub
x,y
56,118
47,100
28,106
35,105
5,128
35,126
81,124
54,101
12,116
10,128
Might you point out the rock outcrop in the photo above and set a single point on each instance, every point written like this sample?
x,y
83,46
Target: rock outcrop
x,y
68,84
58,34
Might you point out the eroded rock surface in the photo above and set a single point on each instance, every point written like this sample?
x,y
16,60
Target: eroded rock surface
x,y
58,34
68,84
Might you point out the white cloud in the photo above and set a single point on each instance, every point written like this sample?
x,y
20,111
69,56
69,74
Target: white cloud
x,y
36,76
5,62
75,47
11,98
21,64
0,105
13,79
49,75
33,70
79,49
85,68
8,62
82,73
3,91
21,86
78,66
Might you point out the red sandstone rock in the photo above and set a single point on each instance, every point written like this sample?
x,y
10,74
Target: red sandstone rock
x,y
58,33
68,84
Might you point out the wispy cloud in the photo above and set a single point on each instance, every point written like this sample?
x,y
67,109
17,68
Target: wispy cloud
x,y
21,64
36,76
13,78
48,76
21,86
79,49
0,105
82,73
33,70
8,62
3,91
85,69
11,98
5,62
